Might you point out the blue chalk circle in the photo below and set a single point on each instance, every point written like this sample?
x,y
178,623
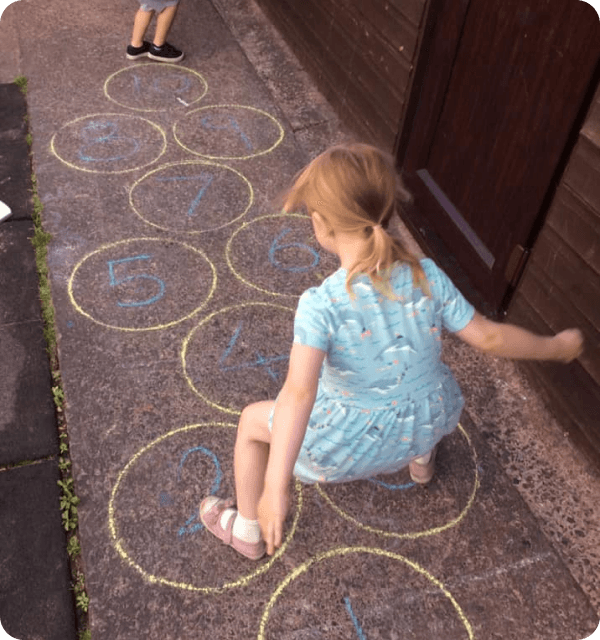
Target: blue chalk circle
x,y
193,524
277,246
115,282
392,487
103,135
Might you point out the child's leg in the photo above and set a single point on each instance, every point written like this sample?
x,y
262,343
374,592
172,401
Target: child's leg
x,y
164,20
239,527
251,456
140,26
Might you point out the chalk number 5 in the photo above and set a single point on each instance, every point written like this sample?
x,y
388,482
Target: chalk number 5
x,y
137,278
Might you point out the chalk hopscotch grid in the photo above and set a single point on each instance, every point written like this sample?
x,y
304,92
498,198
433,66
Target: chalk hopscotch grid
x,y
117,541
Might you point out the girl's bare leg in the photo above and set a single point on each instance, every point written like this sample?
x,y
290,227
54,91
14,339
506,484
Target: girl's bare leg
x,y
163,24
140,26
251,456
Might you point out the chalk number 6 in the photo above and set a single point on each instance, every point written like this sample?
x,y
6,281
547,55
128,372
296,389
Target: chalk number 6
x,y
277,245
114,281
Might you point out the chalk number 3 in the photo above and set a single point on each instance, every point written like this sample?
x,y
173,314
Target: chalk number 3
x,y
140,279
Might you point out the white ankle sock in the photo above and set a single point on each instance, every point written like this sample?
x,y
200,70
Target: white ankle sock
x,y
243,529
423,459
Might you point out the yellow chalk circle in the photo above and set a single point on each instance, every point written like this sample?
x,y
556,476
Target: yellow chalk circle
x,y
109,143
168,533
142,284
228,132
152,87
191,197
413,534
280,254
346,612
239,355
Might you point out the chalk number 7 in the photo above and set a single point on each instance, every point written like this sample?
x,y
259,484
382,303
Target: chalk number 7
x,y
115,281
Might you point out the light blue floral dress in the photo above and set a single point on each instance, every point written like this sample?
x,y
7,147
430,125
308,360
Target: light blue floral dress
x,y
384,396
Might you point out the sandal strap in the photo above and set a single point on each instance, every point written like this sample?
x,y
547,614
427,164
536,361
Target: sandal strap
x,y
213,515
228,531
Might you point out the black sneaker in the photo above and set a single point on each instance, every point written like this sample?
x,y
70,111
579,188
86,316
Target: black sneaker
x,y
166,53
133,53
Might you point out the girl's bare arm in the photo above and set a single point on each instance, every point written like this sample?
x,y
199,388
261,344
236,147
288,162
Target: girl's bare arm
x,y
290,419
294,404
510,341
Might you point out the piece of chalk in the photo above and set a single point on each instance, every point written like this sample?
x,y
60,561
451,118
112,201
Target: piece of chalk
x,y
5,211
183,102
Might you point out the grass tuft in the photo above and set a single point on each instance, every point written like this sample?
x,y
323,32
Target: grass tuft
x,y
68,499
21,82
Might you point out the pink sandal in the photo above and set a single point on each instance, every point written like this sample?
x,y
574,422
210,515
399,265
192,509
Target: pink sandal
x,y
211,519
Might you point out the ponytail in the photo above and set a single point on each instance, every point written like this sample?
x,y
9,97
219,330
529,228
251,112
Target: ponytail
x,y
355,188
383,251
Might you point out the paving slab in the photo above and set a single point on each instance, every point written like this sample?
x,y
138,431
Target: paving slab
x,y
174,280
18,275
27,421
35,601
14,152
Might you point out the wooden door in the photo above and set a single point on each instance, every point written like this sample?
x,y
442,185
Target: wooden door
x,y
502,91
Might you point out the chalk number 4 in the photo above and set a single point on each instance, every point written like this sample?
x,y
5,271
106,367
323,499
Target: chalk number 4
x,y
140,279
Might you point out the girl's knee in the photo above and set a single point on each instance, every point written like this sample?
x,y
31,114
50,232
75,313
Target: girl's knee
x,y
254,421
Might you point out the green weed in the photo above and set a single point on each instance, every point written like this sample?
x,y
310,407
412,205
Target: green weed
x,y
73,547
68,500
82,600
21,82
68,504
59,397
63,447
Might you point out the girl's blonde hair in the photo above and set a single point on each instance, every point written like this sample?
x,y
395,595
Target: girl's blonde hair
x,y
355,188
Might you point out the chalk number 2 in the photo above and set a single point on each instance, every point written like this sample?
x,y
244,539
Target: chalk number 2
x,y
138,278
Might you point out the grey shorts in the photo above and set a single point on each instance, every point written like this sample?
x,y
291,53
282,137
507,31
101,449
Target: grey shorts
x,y
156,5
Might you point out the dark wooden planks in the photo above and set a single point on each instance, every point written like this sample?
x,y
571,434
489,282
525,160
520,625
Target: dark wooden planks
x,y
361,55
567,299
561,287
568,389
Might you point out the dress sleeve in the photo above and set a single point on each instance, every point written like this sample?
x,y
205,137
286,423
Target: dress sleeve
x,y
311,325
456,311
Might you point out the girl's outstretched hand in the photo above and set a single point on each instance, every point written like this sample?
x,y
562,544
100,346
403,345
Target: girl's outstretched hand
x,y
272,510
569,344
